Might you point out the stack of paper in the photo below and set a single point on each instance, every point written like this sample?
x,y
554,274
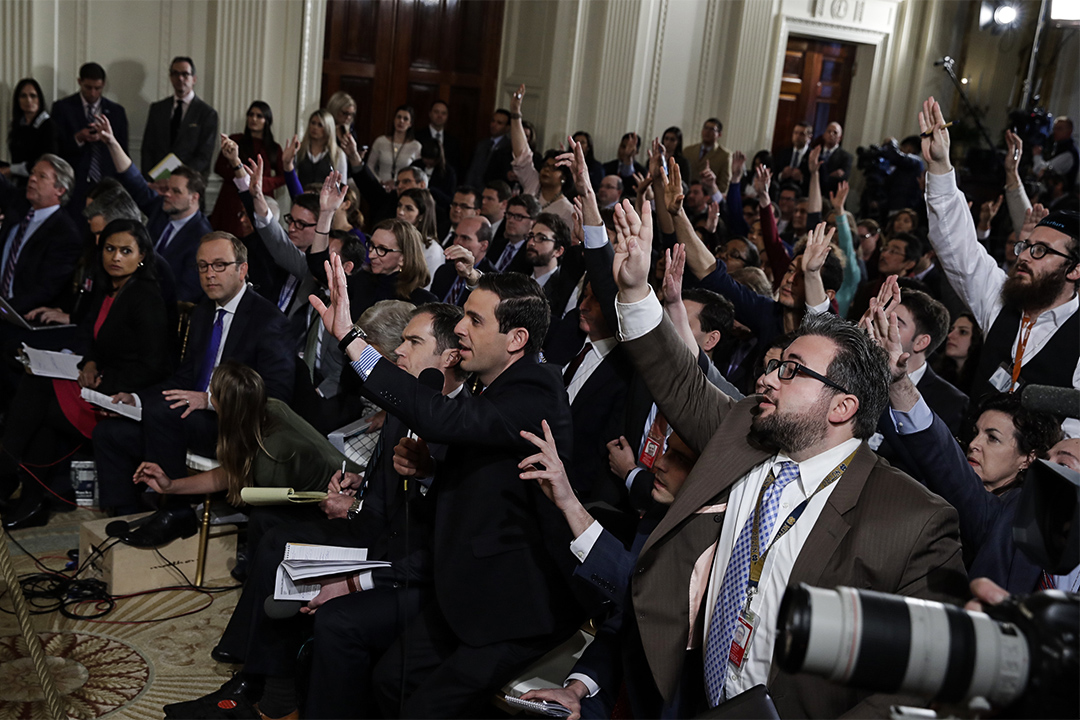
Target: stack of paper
x,y
302,562
49,363
105,401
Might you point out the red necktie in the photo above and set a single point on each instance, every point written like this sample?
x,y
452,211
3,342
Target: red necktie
x,y
568,376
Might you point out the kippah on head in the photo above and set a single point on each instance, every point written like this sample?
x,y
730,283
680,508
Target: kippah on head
x,y
1064,221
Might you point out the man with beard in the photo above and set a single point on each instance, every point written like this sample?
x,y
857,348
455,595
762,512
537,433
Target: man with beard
x,y
785,477
544,248
1031,311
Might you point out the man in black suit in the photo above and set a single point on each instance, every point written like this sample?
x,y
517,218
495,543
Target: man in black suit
x,y
466,261
436,130
500,560
491,159
351,627
835,160
791,164
174,219
183,124
507,250
78,139
40,245
231,323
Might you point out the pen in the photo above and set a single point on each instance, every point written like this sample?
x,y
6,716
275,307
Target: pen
x,y
342,476
930,132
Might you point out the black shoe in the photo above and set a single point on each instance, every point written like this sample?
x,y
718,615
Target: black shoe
x,y
234,699
224,656
27,515
163,527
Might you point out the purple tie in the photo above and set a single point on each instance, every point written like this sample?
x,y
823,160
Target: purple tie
x,y
504,259
456,290
166,236
13,255
211,351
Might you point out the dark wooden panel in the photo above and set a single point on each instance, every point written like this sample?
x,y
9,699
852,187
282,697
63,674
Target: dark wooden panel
x,y
429,34
358,27
814,87
421,96
469,57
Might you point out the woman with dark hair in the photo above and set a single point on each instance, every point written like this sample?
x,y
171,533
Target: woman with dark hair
x,y
261,442
960,356
396,149
31,134
416,206
257,140
672,142
761,159
551,184
596,168
125,345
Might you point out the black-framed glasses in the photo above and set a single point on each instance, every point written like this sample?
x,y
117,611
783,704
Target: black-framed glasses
x,y
180,74
538,238
789,369
381,251
517,216
218,265
1038,250
290,220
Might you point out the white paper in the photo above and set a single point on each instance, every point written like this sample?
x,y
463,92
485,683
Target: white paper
x,y
302,561
48,363
105,401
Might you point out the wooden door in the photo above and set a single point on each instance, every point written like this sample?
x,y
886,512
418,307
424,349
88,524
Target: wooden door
x,y
814,87
387,53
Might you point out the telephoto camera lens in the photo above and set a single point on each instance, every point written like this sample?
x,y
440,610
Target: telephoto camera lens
x,y
894,644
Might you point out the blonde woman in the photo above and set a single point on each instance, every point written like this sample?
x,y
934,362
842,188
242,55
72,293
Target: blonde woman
x,y
319,150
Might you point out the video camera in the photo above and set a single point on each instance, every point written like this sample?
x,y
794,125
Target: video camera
x,y
1022,656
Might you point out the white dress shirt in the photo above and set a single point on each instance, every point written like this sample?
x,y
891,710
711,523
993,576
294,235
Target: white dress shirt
x,y
598,350
977,279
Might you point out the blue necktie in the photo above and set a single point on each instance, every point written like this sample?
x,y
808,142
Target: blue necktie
x,y
455,292
736,579
166,236
508,254
8,280
211,351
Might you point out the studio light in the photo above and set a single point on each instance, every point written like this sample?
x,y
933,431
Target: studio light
x,y
1005,15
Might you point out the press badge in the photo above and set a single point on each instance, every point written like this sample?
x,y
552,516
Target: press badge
x,y
649,452
744,635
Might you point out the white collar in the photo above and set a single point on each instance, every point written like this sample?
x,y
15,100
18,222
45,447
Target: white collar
x,y
917,375
817,467
230,307
186,99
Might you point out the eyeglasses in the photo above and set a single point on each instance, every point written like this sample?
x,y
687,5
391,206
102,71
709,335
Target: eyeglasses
x,y
179,74
1038,250
538,238
518,217
218,265
290,220
462,206
381,251
789,369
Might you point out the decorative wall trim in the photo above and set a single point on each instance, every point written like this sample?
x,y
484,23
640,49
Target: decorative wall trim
x,y
709,59
240,37
657,55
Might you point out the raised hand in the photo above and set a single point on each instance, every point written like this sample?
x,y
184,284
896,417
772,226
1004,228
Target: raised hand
x,y
738,165
656,159
837,199
641,182
1032,217
547,469
336,316
761,182
673,192
332,193
713,218
708,180
632,251
575,160
288,152
987,211
515,100
230,150
673,273
813,160
254,169
1014,150
817,248
935,143
577,232
152,475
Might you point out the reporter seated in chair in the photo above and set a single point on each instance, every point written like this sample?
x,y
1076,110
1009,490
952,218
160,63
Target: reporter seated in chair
x,y
124,340
261,442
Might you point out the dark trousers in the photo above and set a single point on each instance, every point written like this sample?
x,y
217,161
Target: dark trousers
x,y
38,434
351,634
162,437
443,676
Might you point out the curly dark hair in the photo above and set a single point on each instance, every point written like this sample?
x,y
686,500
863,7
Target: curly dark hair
x,y
1034,431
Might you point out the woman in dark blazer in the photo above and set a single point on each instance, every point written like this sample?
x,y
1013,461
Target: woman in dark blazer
x,y
32,132
124,339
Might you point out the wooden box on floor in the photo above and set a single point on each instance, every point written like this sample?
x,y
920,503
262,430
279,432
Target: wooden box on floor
x,y
126,569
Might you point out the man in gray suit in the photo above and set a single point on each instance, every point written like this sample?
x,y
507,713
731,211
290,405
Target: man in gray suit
x,y
182,124
799,445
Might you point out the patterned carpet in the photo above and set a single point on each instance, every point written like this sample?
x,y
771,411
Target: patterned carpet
x,y
119,666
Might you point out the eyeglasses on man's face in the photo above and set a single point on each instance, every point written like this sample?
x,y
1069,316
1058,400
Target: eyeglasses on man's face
x,y
788,369
217,265
1038,250
290,220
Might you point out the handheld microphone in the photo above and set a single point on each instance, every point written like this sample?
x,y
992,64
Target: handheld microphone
x,y
1063,401
281,609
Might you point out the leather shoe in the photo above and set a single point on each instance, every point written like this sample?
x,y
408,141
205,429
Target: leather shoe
x,y
163,527
27,515
224,656
232,700
294,715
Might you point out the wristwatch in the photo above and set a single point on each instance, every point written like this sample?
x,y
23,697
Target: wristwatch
x,y
354,509
355,332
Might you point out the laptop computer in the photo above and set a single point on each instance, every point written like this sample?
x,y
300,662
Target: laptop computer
x,y
13,316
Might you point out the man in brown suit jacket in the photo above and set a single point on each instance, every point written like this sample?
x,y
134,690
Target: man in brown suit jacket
x,y
873,528
710,151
